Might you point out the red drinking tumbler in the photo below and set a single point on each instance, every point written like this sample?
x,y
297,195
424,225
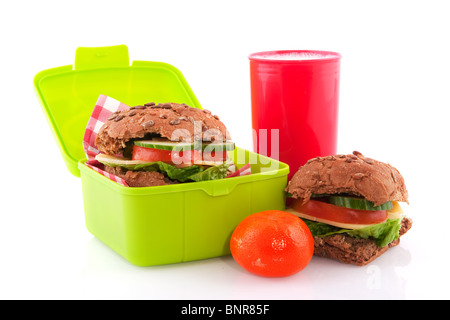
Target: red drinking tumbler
x,y
294,96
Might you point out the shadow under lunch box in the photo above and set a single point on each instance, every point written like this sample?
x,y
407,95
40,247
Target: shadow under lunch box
x,y
152,225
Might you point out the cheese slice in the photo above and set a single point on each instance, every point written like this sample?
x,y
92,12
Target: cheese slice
x,y
113,160
118,161
395,213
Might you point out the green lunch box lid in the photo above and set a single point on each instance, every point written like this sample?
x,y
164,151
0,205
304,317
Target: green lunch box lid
x,y
68,94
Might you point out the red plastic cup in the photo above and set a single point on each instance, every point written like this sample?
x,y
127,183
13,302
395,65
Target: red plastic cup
x,y
295,92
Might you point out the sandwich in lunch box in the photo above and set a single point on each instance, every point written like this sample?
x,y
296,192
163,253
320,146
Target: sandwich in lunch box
x,y
351,205
164,143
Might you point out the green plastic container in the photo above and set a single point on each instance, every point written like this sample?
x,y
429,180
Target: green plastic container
x,y
152,225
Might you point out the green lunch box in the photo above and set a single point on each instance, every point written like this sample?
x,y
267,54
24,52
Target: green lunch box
x,y
152,225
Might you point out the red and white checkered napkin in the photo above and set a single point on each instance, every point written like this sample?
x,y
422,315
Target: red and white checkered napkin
x,y
97,166
245,170
103,109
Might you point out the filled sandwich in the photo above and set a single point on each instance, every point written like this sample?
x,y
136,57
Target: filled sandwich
x,y
164,143
351,206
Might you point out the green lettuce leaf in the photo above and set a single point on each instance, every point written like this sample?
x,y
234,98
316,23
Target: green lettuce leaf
x,y
382,233
212,173
191,173
173,172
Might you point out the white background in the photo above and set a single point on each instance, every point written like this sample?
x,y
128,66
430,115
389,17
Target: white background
x,y
394,102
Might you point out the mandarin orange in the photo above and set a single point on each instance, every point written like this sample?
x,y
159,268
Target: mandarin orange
x,y
272,244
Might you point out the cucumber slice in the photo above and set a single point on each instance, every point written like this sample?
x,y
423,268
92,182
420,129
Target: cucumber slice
x,y
357,203
179,146
164,144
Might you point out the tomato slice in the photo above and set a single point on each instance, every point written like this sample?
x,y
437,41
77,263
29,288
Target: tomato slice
x,y
151,155
335,213
176,157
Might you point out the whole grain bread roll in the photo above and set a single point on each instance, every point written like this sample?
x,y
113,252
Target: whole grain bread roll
x,y
139,178
176,122
357,175
352,174
349,250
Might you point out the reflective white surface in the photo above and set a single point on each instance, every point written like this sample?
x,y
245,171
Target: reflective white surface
x,y
393,107
51,255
